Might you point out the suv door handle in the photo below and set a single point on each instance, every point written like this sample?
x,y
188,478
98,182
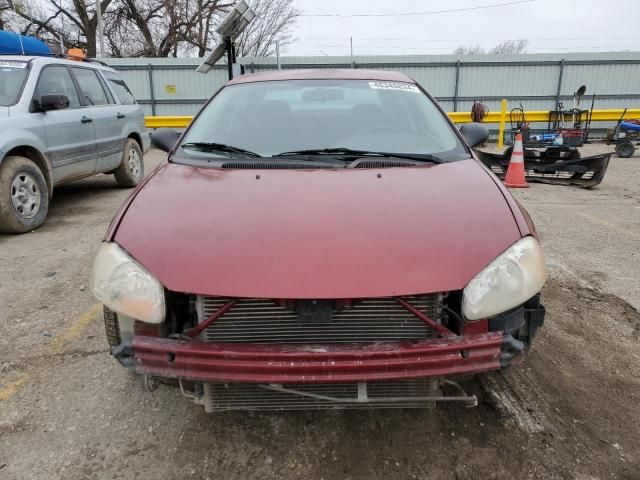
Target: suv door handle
x,y
86,120
120,115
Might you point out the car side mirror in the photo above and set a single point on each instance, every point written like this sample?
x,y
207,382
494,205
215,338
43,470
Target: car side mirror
x,y
474,133
164,138
53,102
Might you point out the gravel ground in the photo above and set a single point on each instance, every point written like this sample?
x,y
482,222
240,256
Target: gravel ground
x,y
68,411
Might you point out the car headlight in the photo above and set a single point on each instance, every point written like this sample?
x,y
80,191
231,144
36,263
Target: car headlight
x,y
510,280
125,287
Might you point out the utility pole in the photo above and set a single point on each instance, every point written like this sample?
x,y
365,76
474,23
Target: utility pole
x,y
353,65
60,37
100,51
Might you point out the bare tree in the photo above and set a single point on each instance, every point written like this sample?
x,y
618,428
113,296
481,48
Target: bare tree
x,y
510,47
170,27
74,21
197,28
503,48
154,28
273,24
469,50
4,15
129,29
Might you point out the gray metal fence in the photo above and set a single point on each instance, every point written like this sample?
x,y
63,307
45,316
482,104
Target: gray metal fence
x,y
170,86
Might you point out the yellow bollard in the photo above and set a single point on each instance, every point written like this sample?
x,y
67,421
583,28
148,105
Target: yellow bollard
x,y
503,121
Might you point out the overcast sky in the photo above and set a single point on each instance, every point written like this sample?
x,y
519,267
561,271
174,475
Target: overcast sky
x,y
549,25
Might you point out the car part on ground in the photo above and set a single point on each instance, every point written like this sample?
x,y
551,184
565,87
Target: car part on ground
x,y
24,196
552,165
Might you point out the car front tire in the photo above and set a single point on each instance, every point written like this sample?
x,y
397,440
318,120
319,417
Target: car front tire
x,y
131,170
24,196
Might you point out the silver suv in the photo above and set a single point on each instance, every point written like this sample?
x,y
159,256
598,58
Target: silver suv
x,y
62,120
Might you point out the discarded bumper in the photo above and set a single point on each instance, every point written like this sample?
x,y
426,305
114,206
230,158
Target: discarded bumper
x,y
559,167
282,364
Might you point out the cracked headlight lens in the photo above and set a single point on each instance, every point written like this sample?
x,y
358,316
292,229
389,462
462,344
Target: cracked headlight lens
x,y
125,287
510,280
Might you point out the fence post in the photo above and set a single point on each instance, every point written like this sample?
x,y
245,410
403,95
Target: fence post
x,y
151,90
559,89
455,88
503,121
351,51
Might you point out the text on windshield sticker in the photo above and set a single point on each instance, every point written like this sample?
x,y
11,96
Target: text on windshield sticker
x,y
12,64
405,87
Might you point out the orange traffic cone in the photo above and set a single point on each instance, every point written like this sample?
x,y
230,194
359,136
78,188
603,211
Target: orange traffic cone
x,y
515,171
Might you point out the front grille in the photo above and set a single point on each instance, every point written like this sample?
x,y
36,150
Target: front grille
x,y
370,320
220,397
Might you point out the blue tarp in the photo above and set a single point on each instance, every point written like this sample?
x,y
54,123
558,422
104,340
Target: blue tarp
x,y
12,43
630,126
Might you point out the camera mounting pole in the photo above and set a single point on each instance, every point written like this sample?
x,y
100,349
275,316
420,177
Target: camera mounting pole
x,y
230,47
229,29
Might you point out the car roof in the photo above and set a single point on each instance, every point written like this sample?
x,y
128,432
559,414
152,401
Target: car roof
x,y
47,60
322,74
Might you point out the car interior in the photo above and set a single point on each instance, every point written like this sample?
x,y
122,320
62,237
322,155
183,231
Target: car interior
x,y
11,80
56,81
277,125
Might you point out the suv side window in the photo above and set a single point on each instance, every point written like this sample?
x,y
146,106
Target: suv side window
x,y
56,80
121,89
91,87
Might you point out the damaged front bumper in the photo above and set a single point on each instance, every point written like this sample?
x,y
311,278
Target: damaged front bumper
x,y
228,376
280,364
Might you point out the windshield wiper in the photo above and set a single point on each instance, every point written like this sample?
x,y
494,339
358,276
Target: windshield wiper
x,y
348,152
219,147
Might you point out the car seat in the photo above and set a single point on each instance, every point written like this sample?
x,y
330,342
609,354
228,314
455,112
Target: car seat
x,y
271,127
366,115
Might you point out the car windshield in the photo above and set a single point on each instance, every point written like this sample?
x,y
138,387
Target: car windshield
x,y
274,117
12,76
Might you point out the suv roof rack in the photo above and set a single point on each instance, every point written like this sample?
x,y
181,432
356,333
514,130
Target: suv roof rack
x,y
56,55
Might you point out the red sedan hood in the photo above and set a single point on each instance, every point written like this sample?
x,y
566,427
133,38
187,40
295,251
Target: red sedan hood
x,y
348,233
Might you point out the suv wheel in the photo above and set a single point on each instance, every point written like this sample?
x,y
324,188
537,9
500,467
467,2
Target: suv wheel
x,y
24,196
131,169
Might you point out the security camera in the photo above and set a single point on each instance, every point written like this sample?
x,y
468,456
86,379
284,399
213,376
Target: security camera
x,y
231,26
236,21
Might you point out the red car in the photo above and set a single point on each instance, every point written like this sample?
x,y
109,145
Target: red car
x,y
320,239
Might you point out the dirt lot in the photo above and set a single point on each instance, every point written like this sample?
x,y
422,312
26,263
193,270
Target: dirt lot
x,y
68,411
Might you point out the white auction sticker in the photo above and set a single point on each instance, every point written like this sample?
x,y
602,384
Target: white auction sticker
x,y
405,87
13,64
